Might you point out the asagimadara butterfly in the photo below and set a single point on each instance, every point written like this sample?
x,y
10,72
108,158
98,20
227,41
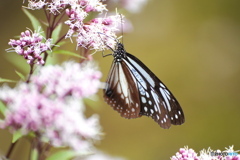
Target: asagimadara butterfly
x,y
133,90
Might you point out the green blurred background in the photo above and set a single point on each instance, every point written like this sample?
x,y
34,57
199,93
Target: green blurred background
x,y
193,47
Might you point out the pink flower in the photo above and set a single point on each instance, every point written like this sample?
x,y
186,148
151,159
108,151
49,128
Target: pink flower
x,y
86,31
51,105
33,4
232,155
209,154
30,46
185,154
99,33
70,79
55,6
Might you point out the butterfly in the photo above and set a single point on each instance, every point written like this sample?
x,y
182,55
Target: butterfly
x,y
133,90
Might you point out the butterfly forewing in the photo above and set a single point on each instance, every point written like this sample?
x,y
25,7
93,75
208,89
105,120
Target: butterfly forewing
x,y
120,93
171,103
133,90
157,101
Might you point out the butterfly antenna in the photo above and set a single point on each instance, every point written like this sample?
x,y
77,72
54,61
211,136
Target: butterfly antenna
x,y
115,39
121,25
107,44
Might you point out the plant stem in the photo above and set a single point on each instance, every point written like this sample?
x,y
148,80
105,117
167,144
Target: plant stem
x,y
10,150
30,73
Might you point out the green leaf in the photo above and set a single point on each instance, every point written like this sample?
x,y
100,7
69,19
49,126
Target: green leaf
x,y
59,44
16,136
56,32
20,75
52,59
31,134
35,22
34,154
18,61
63,155
68,53
2,80
2,107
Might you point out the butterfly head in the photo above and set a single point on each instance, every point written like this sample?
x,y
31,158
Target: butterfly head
x,y
119,53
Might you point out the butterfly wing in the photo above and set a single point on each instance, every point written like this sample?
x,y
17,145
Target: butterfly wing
x,y
155,98
120,92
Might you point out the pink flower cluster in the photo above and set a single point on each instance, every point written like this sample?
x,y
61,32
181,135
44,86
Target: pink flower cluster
x,y
70,79
55,6
51,105
86,31
30,46
106,26
190,154
185,154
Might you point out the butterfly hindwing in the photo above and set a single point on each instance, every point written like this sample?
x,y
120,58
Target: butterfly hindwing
x,y
120,93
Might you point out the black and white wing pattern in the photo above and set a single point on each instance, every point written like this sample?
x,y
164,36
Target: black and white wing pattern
x,y
120,91
133,90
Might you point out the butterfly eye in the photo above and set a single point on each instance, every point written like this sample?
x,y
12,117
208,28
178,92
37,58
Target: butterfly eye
x,y
133,90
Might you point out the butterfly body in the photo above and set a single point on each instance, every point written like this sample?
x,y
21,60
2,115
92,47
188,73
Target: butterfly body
x,y
133,90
